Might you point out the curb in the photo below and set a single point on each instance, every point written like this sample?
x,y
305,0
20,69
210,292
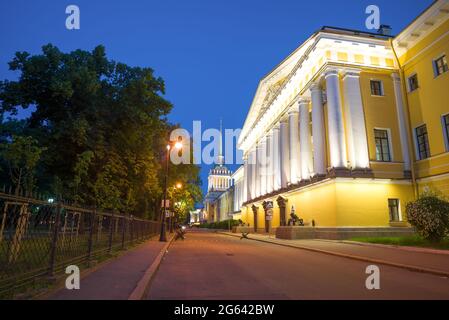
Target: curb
x,y
143,285
354,257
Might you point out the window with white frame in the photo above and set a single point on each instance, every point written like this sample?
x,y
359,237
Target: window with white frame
x,y
446,130
413,82
376,88
393,208
440,65
422,142
383,152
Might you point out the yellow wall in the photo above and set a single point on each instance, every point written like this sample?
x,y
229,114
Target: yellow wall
x,y
315,203
438,184
380,112
342,202
430,101
365,202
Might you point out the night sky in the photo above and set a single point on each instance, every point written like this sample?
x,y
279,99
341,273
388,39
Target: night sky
x,y
211,53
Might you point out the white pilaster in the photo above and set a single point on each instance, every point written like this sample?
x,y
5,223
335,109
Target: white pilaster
x,y
293,123
401,120
335,120
355,120
318,131
257,165
276,158
270,158
253,164
263,166
285,153
245,179
305,146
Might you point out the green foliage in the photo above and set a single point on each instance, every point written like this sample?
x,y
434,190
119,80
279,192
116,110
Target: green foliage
x,y
223,225
430,216
102,125
21,155
409,241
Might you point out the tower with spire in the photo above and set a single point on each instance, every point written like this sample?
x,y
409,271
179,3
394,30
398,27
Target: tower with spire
x,y
219,181
220,176
220,159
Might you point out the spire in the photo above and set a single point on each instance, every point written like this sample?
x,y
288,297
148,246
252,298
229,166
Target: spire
x,y
220,159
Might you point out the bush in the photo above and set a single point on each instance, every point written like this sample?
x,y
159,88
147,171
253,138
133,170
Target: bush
x,y
430,217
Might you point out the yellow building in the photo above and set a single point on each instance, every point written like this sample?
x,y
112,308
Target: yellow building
x,y
350,127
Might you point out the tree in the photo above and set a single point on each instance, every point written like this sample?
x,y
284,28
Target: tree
x,y
102,124
22,155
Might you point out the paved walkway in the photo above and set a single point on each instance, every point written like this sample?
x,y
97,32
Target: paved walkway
x,y
116,279
426,260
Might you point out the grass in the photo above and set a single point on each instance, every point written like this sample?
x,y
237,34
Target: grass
x,y
410,241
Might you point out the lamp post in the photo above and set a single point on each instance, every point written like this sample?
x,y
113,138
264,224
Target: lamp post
x,y
163,236
172,216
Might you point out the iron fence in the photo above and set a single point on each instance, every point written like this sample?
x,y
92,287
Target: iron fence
x,y
39,239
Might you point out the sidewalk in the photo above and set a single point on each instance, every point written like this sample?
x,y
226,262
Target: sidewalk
x,y
428,262
116,279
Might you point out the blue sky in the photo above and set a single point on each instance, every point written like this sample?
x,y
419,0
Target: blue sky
x,y
211,53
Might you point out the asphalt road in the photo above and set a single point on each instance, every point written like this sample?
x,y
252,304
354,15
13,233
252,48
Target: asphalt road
x,y
208,266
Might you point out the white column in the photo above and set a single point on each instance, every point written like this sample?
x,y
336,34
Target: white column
x,y
253,173
401,121
270,156
241,191
293,123
305,147
355,118
285,153
335,120
276,158
245,179
318,131
263,166
257,175
235,199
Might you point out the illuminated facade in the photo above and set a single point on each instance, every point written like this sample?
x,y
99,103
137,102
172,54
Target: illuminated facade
x,y
226,204
218,200
350,127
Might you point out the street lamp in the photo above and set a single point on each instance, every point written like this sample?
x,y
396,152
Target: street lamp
x,y
177,145
172,216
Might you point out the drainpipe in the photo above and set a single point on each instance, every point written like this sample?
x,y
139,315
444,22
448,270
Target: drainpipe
x,y
409,122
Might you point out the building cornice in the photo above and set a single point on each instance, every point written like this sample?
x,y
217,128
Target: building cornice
x,y
422,26
314,58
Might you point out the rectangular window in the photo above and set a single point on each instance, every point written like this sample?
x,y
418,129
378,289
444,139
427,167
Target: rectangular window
x,y
422,141
382,145
441,66
446,130
393,208
376,88
413,83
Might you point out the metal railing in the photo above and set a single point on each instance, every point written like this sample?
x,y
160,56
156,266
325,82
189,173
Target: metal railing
x,y
38,239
